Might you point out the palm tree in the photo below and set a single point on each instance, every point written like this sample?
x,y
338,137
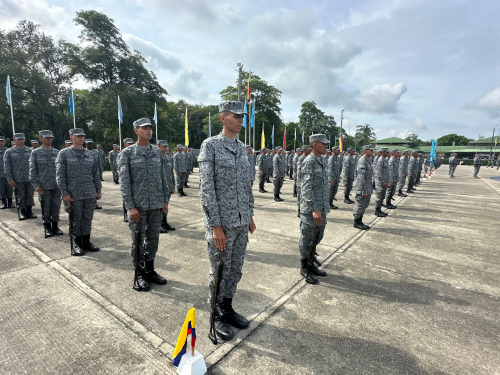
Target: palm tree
x,y
365,133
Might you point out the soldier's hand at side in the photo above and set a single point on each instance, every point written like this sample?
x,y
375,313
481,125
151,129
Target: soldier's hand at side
x,y
385,185
39,190
68,200
165,207
394,183
134,214
12,184
219,238
317,218
334,183
252,226
99,196
364,195
176,173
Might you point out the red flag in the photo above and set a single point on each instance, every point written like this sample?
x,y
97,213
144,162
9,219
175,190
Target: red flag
x,y
284,140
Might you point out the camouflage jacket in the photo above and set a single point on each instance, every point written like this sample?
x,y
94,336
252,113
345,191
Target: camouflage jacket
x,y
294,164
278,166
314,189
251,162
262,163
363,177
77,173
97,157
477,161
168,169
16,163
403,167
43,168
453,161
412,163
382,174
393,169
102,157
180,165
143,183
225,190
333,169
299,166
113,158
348,167
2,153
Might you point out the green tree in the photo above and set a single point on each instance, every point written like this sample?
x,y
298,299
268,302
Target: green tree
x,y
314,120
365,134
453,139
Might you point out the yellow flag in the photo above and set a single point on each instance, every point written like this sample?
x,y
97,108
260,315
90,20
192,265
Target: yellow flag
x,y
186,134
496,141
262,139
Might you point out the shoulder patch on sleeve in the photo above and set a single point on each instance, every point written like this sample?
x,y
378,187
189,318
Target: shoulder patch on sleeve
x,y
123,168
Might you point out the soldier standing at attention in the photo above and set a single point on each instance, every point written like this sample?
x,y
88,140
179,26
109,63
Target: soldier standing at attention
x,y
227,200
146,194
314,205
403,170
168,169
90,146
251,161
291,157
17,171
477,165
5,188
381,181
411,172
77,175
270,158
34,144
348,175
363,186
393,178
262,167
341,161
306,150
298,154
43,179
333,175
113,162
453,164
498,162
127,142
278,173
102,158
180,170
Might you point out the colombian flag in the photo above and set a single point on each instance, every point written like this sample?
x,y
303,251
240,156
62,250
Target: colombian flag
x,y
341,144
188,328
248,91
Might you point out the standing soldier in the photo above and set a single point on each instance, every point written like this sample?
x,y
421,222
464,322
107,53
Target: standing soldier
x,y
227,200
146,194
393,178
278,173
102,158
348,169
333,175
17,171
498,162
341,161
5,188
381,181
298,154
68,143
306,150
291,157
270,158
363,186
262,167
34,144
77,175
43,179
168,169
477,165
113,162
314,206
411,172
453,164
90,146
491,161
403,170
127,142
180,168
251,161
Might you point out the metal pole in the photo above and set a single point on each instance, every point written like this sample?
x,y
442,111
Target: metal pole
x,y
119,133
491,146
239,80
340,137
12,115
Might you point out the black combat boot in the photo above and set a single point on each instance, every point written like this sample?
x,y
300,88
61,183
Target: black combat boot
x,y
78,250
163,229
10,204
23,215
231,316
48,230
261,190
186,186
140,282
389,205
223,329
97,207
151,274
347,200
168,226
30,214
379,213
87,245
332,206
358,223
317,272
125,216
183,194
305,272
56,230
4,204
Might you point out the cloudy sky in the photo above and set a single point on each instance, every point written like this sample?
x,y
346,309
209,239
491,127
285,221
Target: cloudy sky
x,y
424,67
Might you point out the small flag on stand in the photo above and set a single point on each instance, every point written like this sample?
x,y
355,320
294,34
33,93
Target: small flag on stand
x,y
188,328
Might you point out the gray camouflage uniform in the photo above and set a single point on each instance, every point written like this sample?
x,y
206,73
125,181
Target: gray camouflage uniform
x,y
412,163
348,170
43,174
180,168
168,170
113,162
299,180
227,200
393,166
452,165
403,172
382,177
16,168
5,189
262,167
278,173
333,175
102,159
477,165
362,185
251,162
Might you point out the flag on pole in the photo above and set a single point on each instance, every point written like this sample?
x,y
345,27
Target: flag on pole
x,y
155,116
8,93
272,136
248,90
496,141
284,140
262,138
252,119
71,103
295,139
120,112
188,328
341,144
245,116
186,134
209,126
302,138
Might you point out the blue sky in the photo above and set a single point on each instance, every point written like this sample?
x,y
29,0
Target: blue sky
x,y
424,67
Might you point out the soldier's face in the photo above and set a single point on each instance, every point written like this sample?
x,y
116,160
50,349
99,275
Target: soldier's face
x,y
368,153
47,142
2,143
90,146
19,142
78,140
34,145
249,152
232,121
144,132
116,148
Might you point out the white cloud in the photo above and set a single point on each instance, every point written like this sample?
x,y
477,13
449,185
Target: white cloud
x,y
418,124
188,84
489,103
379,99
158,58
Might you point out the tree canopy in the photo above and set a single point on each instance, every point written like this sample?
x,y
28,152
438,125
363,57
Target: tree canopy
x,y
453,140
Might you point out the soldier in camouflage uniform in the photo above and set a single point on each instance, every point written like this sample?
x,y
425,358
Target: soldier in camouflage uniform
x,y
146,193
412,174
333,175
102,158
262,167
314,205
68,143
426,165
498,162
291,156
382,180
453,164
180,168
43,179
34,144
16,168
168,169
270,158
477,165
348,170
227,200
393,178
77,176
113,162
363,186
402,172
278,173
298,154
5,188
306,150
251,162
127,142
89,143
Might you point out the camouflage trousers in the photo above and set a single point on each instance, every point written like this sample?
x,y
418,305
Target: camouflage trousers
x,y
262,179
25,192
426,169
380,191
307,233
347,187
411,182
401,183
476,170
232,258
149,226
389,193
181,180
290,171
361,205
5,189
452,169
278,184
114,170
50,202
83,213
333,190
269,173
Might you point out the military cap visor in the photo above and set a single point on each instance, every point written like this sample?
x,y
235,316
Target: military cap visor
x,y
142,122
68,141
318,138
89,140
2,138
233,106
115,145
19,136
34,141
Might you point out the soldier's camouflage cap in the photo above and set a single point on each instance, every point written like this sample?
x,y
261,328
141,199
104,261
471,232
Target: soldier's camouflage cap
x,y
162,143
45,134
350,149
318,138
115,145
76,131
367,147
68,141
334,148
299,149
279,148
98,145
394,150
232,106
179,146
249,147
89,140
454,153
406,152
19,136
414,152
142,122
128,140
382,149
2,138
34,141
306,147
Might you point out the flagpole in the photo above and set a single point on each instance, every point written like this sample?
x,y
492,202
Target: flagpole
x,y
74,118
12,115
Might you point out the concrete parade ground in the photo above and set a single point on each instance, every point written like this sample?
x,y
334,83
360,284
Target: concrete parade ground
x,y
416,294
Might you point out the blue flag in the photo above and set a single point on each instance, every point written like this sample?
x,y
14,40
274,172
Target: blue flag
x,y
155,116
245,116
252,119
302,138
272,136
120,112
71,103
8,93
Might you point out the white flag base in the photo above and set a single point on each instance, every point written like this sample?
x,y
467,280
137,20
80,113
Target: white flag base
x,y
190,365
